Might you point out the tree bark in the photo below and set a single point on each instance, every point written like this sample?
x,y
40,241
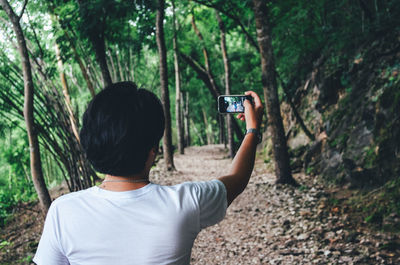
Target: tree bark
x,y
113,68
187,123
178,115
100,51
65,90
35,161
231,144
120,70
132,66
167,140
281,156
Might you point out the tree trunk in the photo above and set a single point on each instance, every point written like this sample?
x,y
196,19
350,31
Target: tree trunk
x,y
281,156
187,123
132,66
221,25
65,89
167,140
100,51
113,68
120,70
35,162
96,38
178,116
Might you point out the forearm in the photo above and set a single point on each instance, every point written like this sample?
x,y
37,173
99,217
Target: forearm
x,y
241,168
243,163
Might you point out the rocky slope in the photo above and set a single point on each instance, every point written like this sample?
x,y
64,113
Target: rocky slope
x,y
351,103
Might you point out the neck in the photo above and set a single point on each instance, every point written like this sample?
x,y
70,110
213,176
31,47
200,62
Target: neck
x,y
118,183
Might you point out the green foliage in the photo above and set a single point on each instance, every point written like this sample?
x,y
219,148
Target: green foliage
x,y
382,205
303,188
302,33
4,244
15,185
309,170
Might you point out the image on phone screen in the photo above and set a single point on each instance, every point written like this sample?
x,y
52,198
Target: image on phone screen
x,y
231,104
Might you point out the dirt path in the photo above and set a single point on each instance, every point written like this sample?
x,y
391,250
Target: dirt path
x,y
266,224
269,224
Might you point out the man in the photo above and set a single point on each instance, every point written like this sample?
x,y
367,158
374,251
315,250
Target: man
x,y
128,219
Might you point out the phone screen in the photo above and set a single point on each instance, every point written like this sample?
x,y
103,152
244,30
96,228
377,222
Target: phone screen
x,y
231,104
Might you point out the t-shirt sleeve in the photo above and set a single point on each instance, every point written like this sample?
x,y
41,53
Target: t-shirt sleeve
x,y
212,202
49,250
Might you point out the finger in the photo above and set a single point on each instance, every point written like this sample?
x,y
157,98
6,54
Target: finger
x,y
256,98
240,116
247,104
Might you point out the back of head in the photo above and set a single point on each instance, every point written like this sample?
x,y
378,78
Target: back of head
x,y
120,126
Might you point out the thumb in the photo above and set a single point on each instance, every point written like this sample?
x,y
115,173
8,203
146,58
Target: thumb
x,y
249,114
248,107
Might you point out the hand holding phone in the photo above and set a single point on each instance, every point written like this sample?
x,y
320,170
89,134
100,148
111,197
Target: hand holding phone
x,y
232,103
253,112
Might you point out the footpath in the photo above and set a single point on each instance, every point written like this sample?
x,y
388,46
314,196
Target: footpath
x,y
278,224
266,224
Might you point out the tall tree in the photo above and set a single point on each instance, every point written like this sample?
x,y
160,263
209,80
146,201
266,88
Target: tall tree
x,y
167,139
268,78
231,144
178,99
187,121
35,161
65,90
96,33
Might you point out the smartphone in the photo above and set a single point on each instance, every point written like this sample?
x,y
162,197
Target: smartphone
x,y
232,103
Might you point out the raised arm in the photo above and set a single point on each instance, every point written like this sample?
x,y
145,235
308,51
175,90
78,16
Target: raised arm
x,y
243,163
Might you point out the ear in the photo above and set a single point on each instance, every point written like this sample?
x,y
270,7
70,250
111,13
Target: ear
x,y
154,150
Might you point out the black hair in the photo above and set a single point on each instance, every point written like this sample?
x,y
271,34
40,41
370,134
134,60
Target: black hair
x,y
120,126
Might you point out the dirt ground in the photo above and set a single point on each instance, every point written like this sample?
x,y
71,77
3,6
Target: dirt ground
x,y
266,224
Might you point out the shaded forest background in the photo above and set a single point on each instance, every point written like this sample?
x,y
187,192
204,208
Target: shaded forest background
x,y
335,65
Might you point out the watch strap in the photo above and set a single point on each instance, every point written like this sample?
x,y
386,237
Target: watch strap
x,y
252,130
256,132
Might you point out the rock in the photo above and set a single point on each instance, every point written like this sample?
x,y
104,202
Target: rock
x,y
303,236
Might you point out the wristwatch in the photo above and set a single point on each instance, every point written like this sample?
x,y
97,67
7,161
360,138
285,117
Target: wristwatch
x,y
256,132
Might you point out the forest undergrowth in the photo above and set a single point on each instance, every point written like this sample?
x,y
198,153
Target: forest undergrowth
x,y
267,224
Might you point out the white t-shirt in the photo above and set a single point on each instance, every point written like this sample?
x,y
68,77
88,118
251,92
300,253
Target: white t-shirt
x,y
151,225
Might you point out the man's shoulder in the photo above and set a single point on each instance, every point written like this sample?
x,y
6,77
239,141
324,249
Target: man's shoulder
x,y
75,195
193,184
196,188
